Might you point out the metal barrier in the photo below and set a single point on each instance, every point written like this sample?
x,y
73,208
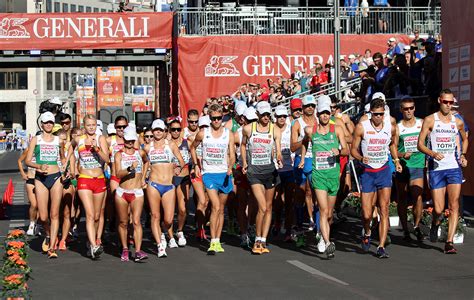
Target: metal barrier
x,y
213,20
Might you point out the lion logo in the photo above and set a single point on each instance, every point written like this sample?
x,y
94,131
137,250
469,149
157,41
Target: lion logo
x,y
13,28
221,66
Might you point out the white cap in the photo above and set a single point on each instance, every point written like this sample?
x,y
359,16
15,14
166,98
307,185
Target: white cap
x,y
309,99
204,121
158,124
351,56
100,125
378,95
367,107
240,107
392,39
324,103
129,133
281,110
47,117
55,100
111,129
406,48
250,113
264,107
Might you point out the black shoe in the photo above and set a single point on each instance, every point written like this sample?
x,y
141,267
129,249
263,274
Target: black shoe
x,y
449,248
434,233
419,235
406,236
381,253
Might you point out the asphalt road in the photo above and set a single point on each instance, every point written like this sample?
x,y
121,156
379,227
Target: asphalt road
x,y
414,270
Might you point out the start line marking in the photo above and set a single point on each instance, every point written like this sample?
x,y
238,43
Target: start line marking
x,y
314,271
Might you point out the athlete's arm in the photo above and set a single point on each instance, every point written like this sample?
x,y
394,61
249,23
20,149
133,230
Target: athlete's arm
x,y
394,148
20,164
243,147
342,126
118,166
425,130
294,144
29,157
197,140
174,148
103,150
146,165
465,142
342,141
228,124
277,138
231,161
349,124
357,138
308,131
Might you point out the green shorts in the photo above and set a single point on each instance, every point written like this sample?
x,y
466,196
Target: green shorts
x,y
330,185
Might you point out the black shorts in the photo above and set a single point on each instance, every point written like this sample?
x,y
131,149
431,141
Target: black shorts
x,y
30,181
48,180
268,180
178,180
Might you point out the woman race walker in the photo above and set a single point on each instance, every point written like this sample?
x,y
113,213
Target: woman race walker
x,y
129,196
47,150
160,189
93,155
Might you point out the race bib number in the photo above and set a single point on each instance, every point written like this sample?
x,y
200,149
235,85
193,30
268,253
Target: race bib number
x,y
411,143
48,153
325,160
260,157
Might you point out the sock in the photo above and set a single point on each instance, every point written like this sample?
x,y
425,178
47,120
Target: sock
x,y
214,240
258,239
263,240
32,223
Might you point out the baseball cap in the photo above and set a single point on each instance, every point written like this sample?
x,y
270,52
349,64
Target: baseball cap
x,y
281,110
296,103
55,100
250,113
100,125
361,68
204,121
158,124
264,107
240,108
456,103
265,96
129,133
111,129
324,103
309,99
392,39
47,117
351,56
378,95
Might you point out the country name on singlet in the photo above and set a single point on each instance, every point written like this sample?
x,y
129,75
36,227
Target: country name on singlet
x,y
378,141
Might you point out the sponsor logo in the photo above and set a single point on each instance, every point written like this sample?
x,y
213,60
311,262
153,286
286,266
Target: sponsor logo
x,y
13,28
221,66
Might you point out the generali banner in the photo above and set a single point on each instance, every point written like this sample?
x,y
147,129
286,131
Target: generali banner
x,y
217,65
458,64
110,86
85,31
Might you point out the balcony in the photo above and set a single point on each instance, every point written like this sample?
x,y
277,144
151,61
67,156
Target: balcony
x,y
257,20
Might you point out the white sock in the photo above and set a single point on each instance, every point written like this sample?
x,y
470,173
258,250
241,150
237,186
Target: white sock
x,y
258,239
311,220
214,240
263,240
32,223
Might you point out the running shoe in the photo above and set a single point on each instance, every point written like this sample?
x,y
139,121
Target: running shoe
x,y
140,255
75,232
321,245
311,225
125,255
201,235
162,251
96,251
264,248
257,248
300,241
219,248
212,249
98,242
366,243
45,245
419,235
449,248
434,233
52,254
181,239
163,240
31,230
244,241
330,249
37,230
381,253
172,243
62,246
406,236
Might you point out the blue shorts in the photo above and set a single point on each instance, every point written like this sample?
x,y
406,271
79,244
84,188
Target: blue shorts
x,y
220,182
410,174
373,180
286,177
440,179
301,175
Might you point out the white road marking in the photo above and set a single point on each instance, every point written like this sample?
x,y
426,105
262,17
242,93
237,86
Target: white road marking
x,y
14,225
314,271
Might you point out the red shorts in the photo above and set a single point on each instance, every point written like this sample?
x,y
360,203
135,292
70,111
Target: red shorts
x,y
115,178
343,161
194,178
96,185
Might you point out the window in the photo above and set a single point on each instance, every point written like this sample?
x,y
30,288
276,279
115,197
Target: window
x,y
66,81
103,10
132,69
73,8
49,81
13,80
57,81
81,8
126,84
57,7
65,7
125,68
132,81
49,5
145,81
96,10
139,81
88,9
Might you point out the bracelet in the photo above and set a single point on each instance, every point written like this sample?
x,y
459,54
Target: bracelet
x,y
397,159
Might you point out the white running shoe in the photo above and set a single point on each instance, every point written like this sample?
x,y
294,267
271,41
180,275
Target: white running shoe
x,y
321,245
163,240
31,229
161,251
172,243
181,239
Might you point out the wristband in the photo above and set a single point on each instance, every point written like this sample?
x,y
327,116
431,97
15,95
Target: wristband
x,y
397,159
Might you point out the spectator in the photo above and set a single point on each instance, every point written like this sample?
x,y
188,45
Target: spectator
x,y
417,41
352,63
395,47
367,59
398,83
364,8
382,15
345,71
297,74
351,7
368,82
381,71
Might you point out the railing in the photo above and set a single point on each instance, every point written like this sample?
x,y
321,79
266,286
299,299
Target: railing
x,y
303,20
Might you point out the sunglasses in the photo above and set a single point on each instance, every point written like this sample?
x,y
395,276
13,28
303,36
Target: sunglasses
x,y
378,114
219,118
309,105
175,129
66,123
333,106
265,115
159,129
281,116
324,112
148,136
447,102
193,121
49,122
408,108
298,109
121,127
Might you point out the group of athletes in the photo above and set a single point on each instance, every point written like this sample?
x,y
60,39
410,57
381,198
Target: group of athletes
x,y
290,164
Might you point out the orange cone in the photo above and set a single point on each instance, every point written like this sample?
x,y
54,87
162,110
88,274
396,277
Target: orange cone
x,y
8,194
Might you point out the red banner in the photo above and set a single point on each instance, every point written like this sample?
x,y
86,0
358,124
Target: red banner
x,y
458,68
218,65
85,31
110,86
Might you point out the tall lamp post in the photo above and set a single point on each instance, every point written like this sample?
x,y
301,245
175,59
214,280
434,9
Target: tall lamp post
x,y
337,44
